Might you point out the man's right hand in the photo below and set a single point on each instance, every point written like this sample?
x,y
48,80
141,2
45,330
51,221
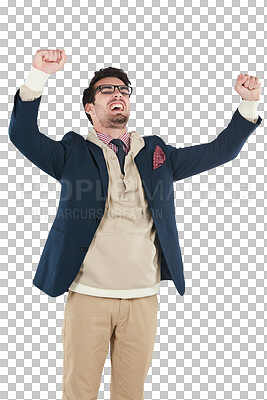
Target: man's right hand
x,y
49,61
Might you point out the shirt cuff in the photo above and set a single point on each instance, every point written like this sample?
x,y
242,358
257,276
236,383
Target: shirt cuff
x,y
248,109
27,94
36,79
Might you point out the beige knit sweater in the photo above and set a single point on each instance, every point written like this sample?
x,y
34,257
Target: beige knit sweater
x,y
123,259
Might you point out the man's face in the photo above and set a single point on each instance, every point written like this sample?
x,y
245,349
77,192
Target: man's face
x,y
101,113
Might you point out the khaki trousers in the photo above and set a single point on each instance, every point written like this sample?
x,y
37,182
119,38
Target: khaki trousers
x,y
92,323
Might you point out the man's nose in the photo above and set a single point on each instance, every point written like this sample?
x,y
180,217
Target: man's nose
x,y
116,91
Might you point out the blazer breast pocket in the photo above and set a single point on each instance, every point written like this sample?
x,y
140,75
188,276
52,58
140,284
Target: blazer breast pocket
x,y
158,159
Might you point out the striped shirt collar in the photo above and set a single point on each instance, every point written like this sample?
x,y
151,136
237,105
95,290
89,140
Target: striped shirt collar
x,y
106,138
133,140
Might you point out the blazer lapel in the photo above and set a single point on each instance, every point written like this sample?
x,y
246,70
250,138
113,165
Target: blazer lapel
x,y
98,155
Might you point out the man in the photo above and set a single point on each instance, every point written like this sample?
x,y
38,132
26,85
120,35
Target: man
x,y
114,237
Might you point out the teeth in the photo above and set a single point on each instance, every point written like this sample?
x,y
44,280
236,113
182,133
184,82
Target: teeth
x,y
116,105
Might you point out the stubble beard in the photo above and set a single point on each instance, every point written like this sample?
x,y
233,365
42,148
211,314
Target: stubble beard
x,y
115,121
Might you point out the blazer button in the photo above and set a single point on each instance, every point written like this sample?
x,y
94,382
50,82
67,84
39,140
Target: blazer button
x,y
82,248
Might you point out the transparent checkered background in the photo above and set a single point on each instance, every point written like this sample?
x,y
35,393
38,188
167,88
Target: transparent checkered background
x,y
183,62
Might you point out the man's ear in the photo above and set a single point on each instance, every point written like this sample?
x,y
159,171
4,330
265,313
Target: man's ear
x,y
89,109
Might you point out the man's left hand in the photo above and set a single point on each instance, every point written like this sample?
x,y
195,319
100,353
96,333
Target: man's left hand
x,y
248,86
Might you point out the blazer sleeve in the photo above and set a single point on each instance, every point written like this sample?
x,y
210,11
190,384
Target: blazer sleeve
x,y
47,154
189,161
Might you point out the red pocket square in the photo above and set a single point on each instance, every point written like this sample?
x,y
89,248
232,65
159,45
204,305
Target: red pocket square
x,y
158,157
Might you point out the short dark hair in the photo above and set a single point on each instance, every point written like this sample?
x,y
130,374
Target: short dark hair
x,y
89,97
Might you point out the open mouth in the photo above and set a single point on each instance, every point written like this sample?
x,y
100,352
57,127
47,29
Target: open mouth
x,y
116,107
116,110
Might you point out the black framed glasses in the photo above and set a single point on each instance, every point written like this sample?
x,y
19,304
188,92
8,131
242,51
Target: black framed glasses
x,y
109,89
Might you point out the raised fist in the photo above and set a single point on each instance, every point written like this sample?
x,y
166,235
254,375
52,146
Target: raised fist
x,y
248,86
49,61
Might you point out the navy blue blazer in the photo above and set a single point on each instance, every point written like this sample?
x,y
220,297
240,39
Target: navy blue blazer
x,y
80,167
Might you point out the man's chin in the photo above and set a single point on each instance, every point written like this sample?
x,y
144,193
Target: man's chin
x,y
120,119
